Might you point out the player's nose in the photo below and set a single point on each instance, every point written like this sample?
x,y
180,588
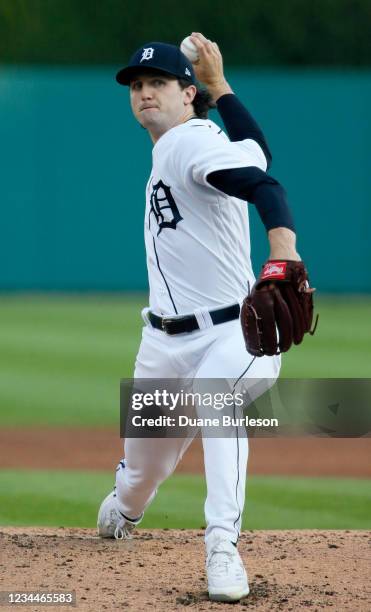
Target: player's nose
x,y
146,91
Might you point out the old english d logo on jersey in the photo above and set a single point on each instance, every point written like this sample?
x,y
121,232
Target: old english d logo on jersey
x,y
163,207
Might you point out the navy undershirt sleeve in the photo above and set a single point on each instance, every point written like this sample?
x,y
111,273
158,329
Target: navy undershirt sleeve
x,y
240,124
257,187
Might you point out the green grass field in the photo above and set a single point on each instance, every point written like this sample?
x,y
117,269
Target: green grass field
x,y
61,358
71,499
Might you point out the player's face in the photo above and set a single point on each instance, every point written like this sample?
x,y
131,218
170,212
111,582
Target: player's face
x,y
158,103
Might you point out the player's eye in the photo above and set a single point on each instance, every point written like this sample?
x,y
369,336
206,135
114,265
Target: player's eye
x,y
158,82
136,86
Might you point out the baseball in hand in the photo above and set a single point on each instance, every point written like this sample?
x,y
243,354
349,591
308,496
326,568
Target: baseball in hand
x,y
190,50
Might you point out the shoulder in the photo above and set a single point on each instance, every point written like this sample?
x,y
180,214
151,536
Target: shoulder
x,y
200,129
193,131
205,124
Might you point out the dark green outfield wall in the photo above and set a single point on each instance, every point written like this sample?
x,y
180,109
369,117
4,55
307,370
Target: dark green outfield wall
x,y
74,165
249,32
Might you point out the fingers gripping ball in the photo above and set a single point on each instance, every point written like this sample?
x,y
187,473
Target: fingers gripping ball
x,y
279,310
190,50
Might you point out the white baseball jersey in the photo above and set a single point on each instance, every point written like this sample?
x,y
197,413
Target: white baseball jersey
x,y
197,238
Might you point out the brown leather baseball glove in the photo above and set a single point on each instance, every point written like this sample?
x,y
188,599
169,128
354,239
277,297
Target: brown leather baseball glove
x,y
279,310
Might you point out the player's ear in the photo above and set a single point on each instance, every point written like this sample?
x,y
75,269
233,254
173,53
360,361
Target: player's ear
x,y
189,94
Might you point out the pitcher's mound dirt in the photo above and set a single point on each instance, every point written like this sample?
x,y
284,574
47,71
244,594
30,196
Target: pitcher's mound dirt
x,y
164,570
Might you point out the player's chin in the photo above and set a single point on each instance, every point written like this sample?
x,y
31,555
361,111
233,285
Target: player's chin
x,y
149,116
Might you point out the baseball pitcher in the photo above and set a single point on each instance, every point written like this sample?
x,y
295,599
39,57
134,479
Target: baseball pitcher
x,y
208,317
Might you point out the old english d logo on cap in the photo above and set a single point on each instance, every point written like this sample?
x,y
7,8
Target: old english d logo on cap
x,y
147,53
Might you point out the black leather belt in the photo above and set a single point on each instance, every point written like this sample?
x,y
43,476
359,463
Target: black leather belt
x,y
188,323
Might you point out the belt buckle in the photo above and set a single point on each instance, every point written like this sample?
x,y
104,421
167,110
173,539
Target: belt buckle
x,y
165,321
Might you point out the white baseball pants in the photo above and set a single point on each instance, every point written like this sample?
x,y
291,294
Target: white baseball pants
x,y
211,352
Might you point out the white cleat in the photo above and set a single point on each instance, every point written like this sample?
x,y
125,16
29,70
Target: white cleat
x,y
111,523
226,575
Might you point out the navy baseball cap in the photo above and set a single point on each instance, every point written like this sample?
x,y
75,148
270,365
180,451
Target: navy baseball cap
x,y
160,56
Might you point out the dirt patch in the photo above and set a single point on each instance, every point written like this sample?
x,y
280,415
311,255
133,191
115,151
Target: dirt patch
x,y
100,449
164,570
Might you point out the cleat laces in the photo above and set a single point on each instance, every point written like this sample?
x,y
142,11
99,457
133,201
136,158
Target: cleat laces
x,y
123,530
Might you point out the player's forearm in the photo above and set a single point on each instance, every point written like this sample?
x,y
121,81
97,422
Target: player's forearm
x,y
283,244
